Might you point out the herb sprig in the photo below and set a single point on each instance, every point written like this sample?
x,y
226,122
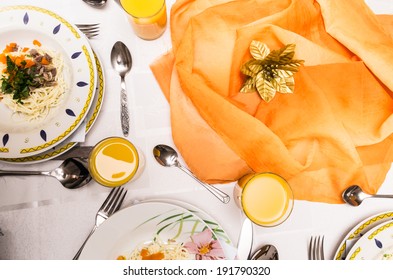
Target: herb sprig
x,y
18,80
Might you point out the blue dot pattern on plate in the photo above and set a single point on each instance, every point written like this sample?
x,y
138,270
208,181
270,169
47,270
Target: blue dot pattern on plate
x,y
378,243
6,137
70,112
75,55
26,18
56,29
43,134
81,84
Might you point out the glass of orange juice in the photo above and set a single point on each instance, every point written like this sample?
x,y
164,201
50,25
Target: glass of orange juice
x,y
115,161
265,198
148,17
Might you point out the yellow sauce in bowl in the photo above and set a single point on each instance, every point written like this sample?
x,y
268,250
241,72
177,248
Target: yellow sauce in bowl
x,y
113,162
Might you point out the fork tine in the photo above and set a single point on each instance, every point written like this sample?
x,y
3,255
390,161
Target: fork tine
x,y
310,247
114,199
90,35
112,206
119,202
105,203
316,248
321,252
87,25
89,29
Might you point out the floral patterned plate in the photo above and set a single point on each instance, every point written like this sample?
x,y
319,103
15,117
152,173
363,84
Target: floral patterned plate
x,y
142,223
26,25
376,244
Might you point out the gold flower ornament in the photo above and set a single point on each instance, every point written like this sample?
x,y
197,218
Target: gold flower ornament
x,y
270,71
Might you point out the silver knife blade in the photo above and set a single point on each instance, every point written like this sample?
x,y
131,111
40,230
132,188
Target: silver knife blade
x,y
77,151
244,244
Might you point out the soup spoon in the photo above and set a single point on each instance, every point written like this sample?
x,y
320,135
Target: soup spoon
x,y
354,195
167,156
72,173
266,252
95,3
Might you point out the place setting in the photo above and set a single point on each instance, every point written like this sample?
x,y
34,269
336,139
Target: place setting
x,y
274,148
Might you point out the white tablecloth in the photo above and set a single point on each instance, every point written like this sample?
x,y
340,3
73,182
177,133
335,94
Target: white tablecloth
x,y
39,219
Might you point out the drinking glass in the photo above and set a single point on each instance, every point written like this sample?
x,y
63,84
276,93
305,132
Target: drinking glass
x,y
115,161
148,17
265,198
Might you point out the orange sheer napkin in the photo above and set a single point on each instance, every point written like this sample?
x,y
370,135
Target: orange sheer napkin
x,y
335,130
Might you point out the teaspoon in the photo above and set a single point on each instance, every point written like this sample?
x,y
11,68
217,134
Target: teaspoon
x,y
354,195
95,3
122,62
266,252
72,173
168,157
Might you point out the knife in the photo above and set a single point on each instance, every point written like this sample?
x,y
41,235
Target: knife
x,y
77,151
245,241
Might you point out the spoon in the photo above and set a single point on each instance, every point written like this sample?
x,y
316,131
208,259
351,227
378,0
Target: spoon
x,y
122,62
354,195
266,252
72,173
95,3
168,157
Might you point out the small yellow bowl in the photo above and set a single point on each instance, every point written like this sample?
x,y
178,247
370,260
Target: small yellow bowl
x,y
113,162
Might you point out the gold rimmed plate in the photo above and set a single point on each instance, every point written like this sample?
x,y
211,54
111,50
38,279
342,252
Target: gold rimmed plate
x,y
25,25
90,120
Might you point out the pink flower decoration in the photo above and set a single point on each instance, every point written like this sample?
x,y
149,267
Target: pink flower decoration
x,y
205,247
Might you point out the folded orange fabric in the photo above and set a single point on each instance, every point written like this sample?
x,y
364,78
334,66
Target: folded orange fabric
x,y
335,130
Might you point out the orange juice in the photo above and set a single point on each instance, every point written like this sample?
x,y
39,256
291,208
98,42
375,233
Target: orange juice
x,y
265,198
148,17
113,162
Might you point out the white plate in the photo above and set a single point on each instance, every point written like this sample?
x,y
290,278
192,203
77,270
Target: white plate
x,y
374,244
358,231
227,244
67,145
23,25
141,223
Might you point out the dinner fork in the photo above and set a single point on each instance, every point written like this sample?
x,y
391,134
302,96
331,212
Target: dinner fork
x,y
89,29
111,204
315,248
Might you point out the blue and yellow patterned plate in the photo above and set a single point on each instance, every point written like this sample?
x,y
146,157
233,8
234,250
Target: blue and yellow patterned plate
x,y
376,244
67,145
22,25
360,230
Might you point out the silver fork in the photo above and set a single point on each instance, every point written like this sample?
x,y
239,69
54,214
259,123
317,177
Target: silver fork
x,y
315,248
89,29
111,204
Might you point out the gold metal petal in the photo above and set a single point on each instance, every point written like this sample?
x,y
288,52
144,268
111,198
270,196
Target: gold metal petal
x,y
259,50
265,89
249,85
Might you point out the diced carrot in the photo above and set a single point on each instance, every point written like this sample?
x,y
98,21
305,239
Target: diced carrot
x,y
44,61
10,47
3,58
25,49
37,43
